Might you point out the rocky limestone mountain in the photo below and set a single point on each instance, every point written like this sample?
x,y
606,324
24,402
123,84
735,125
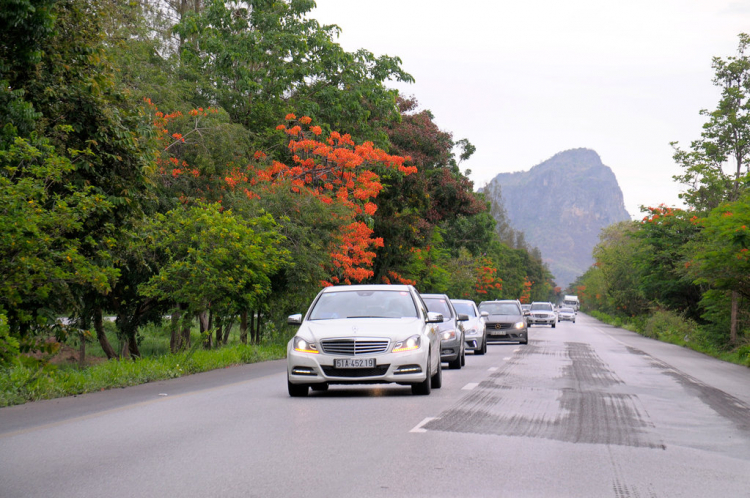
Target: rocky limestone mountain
x,y
561,205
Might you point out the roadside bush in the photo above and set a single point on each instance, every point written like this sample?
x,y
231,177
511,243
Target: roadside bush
x,y
671,327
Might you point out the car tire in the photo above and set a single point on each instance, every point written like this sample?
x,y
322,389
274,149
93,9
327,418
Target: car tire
x,y
319,387
424,387
483,347
297,390
437,379
553,325
463,356
455,364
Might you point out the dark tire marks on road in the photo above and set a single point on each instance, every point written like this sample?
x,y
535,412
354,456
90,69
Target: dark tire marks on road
x,y
560,391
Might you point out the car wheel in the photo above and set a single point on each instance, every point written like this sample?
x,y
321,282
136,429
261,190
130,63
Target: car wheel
x,y
483,348
463,356
319,387
455,364
553,325
437,379
424,387
297,390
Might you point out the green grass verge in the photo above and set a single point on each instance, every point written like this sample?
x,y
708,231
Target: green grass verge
x,y
669,327
21,382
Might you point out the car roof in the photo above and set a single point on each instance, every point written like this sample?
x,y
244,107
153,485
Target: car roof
x,y
462,301
514,301
436,296
368,287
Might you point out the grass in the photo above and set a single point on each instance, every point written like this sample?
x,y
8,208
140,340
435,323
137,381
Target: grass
x,y
27,380
670,327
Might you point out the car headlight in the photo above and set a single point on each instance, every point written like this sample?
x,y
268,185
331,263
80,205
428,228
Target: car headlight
x,y
410,344
448,335
519,325
304,346
473,331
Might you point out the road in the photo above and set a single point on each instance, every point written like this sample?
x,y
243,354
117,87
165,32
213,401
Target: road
x,y
584,409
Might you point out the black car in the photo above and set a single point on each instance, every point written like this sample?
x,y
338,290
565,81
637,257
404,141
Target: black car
x,y
505,322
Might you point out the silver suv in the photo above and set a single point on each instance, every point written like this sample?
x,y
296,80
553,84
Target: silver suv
x,y
542,314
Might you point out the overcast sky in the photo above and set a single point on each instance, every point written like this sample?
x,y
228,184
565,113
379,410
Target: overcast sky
x,y
525,79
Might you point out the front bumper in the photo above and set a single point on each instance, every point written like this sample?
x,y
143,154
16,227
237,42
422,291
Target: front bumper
x,y
507,335
450,350
532,320
408,367
474,342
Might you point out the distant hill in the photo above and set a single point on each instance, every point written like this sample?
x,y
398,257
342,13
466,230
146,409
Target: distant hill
x,y
561,205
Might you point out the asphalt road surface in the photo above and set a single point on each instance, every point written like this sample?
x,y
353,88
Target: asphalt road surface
x,y
584,409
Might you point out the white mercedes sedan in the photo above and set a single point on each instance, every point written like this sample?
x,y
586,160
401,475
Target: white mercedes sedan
x,y
365,334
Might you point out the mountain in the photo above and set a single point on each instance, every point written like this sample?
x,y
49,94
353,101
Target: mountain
x,y
561,205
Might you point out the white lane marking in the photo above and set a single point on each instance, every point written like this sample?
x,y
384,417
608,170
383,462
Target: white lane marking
x,y
516,350
492,369
470,386
418,428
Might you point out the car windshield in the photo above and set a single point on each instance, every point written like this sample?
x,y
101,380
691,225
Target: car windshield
x,y
465,308
541,307
566,310
500,308
364,304
438,305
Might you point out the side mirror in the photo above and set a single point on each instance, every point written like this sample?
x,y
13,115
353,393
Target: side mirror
x,y
527,313
462,317
433,317
484,314
294,319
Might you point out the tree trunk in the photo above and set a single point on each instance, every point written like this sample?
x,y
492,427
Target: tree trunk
x,y
133,345
175,339
185,327
733,318
103,341
82,350
219,331
252,327
125,352
243,327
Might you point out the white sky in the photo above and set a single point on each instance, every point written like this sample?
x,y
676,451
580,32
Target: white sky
x,y
525,79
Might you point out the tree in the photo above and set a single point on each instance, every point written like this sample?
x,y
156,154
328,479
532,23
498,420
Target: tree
x,y
725,140
217,262
722,256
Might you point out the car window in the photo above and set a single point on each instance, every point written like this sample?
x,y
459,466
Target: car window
x,y
438,305
500,308
541,307
465,308
363,304
567,310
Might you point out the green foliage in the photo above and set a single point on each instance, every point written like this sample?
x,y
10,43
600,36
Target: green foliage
x,y
215,259
669,326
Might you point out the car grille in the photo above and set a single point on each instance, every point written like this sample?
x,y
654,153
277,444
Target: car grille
x,y
498,326
542,316
353,347
380,370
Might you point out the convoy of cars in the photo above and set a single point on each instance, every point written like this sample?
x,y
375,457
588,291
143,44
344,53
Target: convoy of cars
x,y
373,334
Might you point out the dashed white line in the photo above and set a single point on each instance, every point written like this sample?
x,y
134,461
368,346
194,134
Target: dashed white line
x,y
418,428
492,369
506,358
470,386
516,350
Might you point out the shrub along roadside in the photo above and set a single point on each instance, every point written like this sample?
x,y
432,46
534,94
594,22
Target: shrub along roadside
x,y
20,383
667,326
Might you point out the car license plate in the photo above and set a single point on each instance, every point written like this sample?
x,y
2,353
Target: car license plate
x,y
354,362
498,332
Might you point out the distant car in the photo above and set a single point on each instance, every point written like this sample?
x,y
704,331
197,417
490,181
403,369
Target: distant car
x,y
505,321
566,314
474,332
451,330
365,334
526,307
542,313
